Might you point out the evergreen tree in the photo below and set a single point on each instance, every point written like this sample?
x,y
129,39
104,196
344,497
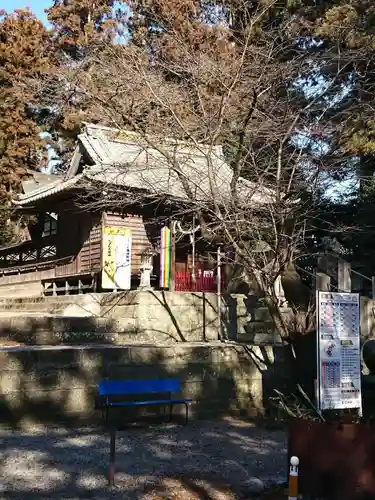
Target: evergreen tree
x,y
24,47
81,28
79,25
343,37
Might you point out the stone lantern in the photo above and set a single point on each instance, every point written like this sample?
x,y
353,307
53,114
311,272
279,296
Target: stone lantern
x,y
146,269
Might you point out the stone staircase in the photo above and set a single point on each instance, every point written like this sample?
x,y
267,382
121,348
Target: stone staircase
x,y
54,320
258,327
64,305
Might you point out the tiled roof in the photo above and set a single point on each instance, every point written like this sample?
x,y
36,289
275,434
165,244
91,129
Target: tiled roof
x,y
45,191
125,159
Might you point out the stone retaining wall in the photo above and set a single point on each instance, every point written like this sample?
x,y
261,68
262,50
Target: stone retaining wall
x,y
54,384
134,317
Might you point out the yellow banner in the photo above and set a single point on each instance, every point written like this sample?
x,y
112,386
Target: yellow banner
x,y
113,230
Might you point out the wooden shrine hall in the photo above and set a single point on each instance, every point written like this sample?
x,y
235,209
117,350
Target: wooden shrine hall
x,y
86,234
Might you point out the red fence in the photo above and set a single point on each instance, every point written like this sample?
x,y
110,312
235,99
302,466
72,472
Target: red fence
x,y
204,282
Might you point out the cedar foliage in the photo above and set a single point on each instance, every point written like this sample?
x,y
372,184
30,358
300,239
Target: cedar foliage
x,y
80,28
346,32
346,50
30,55
24,47
79,25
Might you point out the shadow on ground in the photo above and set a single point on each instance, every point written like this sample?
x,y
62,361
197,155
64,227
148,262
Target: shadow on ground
x,y
207,460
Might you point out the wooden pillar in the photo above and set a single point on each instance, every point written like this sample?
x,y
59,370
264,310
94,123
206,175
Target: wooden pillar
x,y
344,276
322,282
218,293
172,272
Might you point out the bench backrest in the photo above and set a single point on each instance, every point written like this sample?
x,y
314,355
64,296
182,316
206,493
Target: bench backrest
x,y
127,387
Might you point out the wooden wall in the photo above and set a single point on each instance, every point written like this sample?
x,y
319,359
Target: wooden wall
x,y
79,247
78,251
80,236
90,256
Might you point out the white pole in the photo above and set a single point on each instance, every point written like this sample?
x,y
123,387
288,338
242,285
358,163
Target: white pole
x,y
293,479
218,291
193,252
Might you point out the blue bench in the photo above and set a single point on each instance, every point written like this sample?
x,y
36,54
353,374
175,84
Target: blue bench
x,y
112,394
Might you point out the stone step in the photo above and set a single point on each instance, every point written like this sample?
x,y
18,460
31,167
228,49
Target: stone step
x,y
48,307
66,338
262,313
55,322
38,300
65,305
61,299
41,307
258,332
53,330
259,338
32,314
258,327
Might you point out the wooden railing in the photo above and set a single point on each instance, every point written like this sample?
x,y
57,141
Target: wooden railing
x,y
28,254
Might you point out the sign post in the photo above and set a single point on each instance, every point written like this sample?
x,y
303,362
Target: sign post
x,y
338,351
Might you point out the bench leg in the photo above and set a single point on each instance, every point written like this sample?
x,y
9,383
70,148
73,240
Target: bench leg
x,y
112,453
170,412
187,413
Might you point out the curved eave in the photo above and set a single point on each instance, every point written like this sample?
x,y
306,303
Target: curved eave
x,y
45,192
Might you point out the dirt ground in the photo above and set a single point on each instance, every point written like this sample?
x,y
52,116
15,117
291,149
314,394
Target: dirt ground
x,y
209,460
187,490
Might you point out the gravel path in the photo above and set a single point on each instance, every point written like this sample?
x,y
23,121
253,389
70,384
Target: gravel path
x,y
206,460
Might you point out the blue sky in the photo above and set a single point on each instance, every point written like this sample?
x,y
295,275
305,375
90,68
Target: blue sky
x,y
37,6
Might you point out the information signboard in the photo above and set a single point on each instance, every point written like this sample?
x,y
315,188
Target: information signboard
x,y
339,351
117,254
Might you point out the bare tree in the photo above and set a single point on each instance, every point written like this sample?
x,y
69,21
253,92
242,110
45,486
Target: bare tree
x,y
181,99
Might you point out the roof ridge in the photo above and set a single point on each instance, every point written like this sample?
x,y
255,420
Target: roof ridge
x,y
131,134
